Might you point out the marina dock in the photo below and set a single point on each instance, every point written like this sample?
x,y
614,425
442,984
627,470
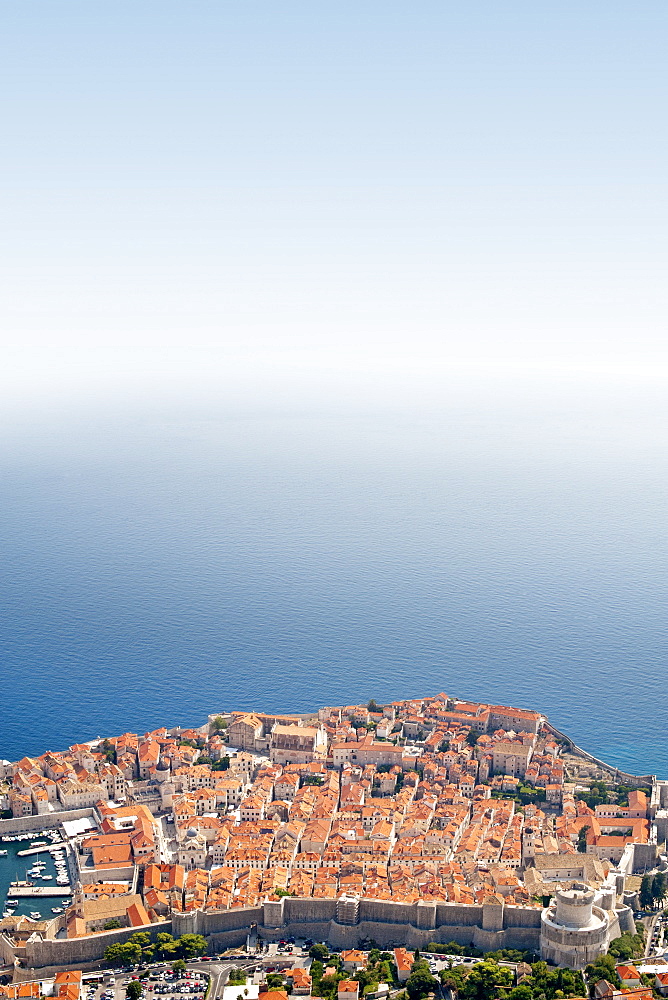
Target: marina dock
x,y
16,891
51,848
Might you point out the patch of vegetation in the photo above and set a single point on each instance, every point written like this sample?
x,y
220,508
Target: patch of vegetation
x,y
603,968
140,948
488,980
237,977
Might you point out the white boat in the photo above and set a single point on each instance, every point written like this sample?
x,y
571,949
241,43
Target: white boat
x,y
38,843
35,915
3,854
56,909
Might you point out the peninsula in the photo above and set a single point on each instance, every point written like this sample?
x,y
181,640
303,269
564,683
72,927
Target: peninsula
x,y
418,824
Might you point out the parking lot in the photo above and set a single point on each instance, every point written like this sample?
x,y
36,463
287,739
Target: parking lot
x,y
161,981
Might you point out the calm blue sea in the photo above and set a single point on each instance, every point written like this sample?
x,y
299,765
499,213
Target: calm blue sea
x,y
162,561
15,869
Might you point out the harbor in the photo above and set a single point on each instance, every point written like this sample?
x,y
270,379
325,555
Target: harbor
x,y
34,875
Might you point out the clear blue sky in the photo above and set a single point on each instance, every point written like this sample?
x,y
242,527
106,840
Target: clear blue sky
x,y
192,186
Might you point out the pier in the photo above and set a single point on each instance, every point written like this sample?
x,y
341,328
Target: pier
x,y
39,850
14,891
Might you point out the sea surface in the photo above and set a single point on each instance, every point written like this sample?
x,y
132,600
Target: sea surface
x,y
15,869
167,559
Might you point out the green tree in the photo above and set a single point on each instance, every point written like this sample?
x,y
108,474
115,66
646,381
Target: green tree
x,y
191,945
646,896
142,939
165,945
602,968
386,972
128,953
421,982
134,989
131,953
659,887
373,706
179,965
472,738
522,992
113,952
236,977
109,751
484,981
111,925
318,951
329,986
274,981
582,839
219,724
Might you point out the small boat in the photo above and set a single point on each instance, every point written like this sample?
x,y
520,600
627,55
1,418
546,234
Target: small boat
x,y
11,902
35,915
38,843
56,909
3,854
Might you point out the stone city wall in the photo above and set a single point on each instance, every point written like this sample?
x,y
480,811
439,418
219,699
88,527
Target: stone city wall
x,y
622,776
6,951
76,953
411,924
49,821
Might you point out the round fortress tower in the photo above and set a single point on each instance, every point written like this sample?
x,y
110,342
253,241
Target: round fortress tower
x,y
574,932
574,906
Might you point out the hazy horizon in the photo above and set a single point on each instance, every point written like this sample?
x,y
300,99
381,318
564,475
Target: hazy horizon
x,y
192,192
